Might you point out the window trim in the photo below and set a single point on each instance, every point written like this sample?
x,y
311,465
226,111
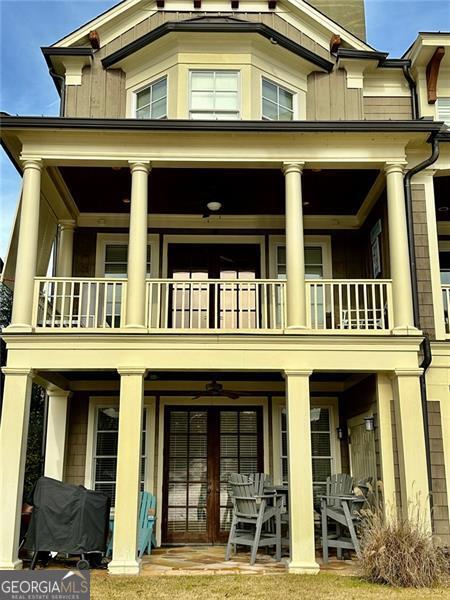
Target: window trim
x,y
96,402
215,70
324,241
119,239
278,404
145,86
447,108
284,88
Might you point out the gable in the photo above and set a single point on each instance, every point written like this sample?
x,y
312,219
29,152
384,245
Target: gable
x,y
131,18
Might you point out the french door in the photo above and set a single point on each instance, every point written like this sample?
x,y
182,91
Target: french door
x,y
225,305
203,445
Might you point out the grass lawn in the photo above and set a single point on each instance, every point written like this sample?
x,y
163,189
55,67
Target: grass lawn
x,y
261,587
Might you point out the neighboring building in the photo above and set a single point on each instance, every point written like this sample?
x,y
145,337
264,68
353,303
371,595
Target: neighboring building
x,y
225,198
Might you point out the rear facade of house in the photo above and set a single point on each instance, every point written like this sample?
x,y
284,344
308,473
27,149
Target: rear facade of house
x,y
217,267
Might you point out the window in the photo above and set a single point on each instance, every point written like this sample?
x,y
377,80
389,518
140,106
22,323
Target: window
x,y
321,444
444,110
105,450
151,102
277,103
214,95
116,259
313,262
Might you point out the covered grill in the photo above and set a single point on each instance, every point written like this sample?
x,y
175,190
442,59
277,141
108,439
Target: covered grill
x,y
67,518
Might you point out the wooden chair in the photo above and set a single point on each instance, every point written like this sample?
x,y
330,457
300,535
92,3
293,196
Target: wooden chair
x,y
342,507
250,512
146,522
261,481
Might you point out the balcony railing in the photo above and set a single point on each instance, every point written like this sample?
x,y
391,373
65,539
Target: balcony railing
x,y
350,305
446,302
340,306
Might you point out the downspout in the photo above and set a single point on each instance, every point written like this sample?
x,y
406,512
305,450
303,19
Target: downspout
x,y
413,88
425,346
62,88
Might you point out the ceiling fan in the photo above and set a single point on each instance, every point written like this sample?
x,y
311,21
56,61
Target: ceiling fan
x,y
216,389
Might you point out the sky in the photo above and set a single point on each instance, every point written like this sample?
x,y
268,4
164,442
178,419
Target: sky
x,y
26,25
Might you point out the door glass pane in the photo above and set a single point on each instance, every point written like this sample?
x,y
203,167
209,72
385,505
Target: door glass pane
x,y
238,453
187,476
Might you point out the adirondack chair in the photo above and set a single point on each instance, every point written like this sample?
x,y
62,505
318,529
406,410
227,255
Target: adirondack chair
x,y
342,507
250,512
260,482
146,522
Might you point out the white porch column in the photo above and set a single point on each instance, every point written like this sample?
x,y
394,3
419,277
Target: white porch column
x,y
27,246
64,256
13,448
124,559
55,443
384,404
411,443
295,251
301,509
137,247
399,253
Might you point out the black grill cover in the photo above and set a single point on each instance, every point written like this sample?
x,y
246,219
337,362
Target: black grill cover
x,y
68,518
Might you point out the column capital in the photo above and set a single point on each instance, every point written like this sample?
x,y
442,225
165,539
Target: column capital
x,y
395,167
53,390
292,167
298,373
69,224
408,372
31,163
132,371
144,166
18,371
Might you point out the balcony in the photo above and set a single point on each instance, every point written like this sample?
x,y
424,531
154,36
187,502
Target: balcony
x,y
213,305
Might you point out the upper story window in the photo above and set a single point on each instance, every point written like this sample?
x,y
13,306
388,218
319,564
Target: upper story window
x,y
116,260
214,95
151,102
277,102
444,110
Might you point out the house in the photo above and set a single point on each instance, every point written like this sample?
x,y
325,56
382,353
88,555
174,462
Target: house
x,y
246,206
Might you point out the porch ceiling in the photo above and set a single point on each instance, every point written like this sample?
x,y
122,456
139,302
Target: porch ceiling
x,y
442,197
241,191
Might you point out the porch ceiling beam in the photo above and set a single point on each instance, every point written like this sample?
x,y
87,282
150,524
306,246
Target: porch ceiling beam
x,y
50,380
370,200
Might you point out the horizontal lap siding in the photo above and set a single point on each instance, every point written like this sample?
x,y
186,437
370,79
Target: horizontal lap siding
x,y
387,108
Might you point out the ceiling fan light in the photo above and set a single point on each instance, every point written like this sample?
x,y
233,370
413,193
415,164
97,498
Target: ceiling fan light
x,y
214,206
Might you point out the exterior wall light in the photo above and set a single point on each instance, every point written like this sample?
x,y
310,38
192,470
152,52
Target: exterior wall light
x,y
369,423
340,433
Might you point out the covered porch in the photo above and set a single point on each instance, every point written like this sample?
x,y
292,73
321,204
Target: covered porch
x,y
197,429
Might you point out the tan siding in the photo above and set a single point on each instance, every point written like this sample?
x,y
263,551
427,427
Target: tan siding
x,y
103,93
426,306
390,108
84,250
75,463
439,483
328,98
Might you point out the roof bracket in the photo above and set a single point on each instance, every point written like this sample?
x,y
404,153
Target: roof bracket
x,y
235,4
433,74
272,4
160,3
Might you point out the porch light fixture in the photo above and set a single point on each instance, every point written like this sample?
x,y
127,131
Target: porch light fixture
x,y
340,433
214,206
443,209
126,200
369,423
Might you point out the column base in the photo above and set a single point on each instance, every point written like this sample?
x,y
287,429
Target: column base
x,y
125,567
406,330
303,568
135,328
11,565
297,328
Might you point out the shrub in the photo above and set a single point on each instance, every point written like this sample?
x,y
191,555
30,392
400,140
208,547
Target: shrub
x,y
400,552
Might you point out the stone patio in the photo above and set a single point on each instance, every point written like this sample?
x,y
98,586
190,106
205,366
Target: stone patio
x,y
209,560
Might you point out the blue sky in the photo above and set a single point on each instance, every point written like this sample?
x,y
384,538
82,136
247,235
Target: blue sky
x,y
26,25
